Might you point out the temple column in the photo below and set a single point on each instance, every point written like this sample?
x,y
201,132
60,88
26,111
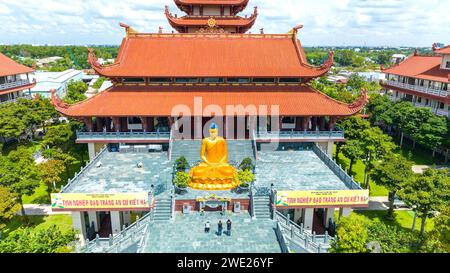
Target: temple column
x,y
333,121
89,124
281,123
171,121
308,219
306,121
144,121
91,150
116,124
79,225
224,126
126,218
297,215
330,145
116,223
298,124
345,212
329,216
94,219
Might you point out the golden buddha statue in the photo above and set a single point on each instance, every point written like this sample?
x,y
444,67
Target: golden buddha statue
x,y
214,172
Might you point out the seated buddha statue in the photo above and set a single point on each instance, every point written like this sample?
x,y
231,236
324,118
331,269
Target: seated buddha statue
x,y
214,172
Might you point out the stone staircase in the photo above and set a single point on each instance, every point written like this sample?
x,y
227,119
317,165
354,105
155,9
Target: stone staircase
x,y
237,150
163,209
261,207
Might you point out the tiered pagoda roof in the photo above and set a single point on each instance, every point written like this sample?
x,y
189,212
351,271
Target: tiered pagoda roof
x,y
10,67
242,24
187,5
443,51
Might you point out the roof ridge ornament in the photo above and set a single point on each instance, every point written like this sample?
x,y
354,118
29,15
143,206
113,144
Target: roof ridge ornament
x,y
129,30
56,100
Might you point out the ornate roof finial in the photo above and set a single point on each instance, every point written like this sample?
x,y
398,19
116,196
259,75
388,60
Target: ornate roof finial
x,y
261,30
128,29
160,31
296,29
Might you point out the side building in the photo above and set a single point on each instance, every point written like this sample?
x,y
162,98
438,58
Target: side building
x,y
422,80
15,80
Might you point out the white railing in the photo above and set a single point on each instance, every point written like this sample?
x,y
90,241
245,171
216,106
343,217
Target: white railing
x,y
443,113
122,135
297,238
15,84
283,135
417,88
169,152
27,97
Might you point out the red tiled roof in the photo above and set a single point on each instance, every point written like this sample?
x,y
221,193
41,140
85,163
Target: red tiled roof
x,y
444,50
212,2
10,67
235,21
160,100
210,55
421,67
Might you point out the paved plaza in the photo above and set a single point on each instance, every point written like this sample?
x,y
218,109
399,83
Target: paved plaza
x,y
295,170
186,234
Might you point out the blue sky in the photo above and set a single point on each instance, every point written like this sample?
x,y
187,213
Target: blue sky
x,y
326,22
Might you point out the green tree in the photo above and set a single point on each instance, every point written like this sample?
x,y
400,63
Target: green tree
x,y
37,240
59,136
351,235
352,149
393,239
18,172
432,133
354,127
393,172
442,227
75,92
427,192
58,154
375,145
8,206
51,171
245,177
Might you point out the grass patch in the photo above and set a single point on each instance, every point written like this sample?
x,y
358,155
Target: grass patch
x,y
402,219
62,221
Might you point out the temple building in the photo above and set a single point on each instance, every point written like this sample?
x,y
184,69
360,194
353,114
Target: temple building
x,y
214,95
423,80
14,80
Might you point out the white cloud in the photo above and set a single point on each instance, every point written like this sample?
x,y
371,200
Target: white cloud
x,y
326,22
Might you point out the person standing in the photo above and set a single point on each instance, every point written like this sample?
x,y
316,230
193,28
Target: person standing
x,y
229,227
207,227
219,228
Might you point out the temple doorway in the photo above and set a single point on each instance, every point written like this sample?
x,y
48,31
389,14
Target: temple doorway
x,y
105,228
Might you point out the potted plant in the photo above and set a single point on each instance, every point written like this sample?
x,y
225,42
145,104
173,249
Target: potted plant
x,y
181,164
181,182
245,177
246,164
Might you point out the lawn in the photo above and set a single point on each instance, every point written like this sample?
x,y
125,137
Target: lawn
x,y
402,219
63,221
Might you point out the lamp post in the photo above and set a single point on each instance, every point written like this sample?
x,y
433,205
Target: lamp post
x,y
415,217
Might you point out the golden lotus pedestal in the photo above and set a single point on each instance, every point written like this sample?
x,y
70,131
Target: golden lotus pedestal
x,y
213,178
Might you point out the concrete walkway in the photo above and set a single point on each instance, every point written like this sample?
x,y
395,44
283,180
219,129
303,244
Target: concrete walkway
x,y
37,209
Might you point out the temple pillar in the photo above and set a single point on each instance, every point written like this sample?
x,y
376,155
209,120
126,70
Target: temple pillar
x,y
171,122
89,124
116,124
333,121
329,217
79,225
91,150
144,121
224,126
116,223
330,145
94,219
298,124
306,122
126,218
345,212
308,219
280,123
297,215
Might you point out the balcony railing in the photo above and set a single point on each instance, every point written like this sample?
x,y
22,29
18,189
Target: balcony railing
x,y
15,84
27,96
417,88
123,135
287,135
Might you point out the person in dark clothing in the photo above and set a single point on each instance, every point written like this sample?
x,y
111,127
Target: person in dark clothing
x,y
207,227
229,227
219,228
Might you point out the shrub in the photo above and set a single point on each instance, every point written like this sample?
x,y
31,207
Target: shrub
x,y
181,180
246,164
245,177
181,164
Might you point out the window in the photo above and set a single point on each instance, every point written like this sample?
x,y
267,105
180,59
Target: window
x,y
213,80
290,80
159,80
419,100
186,80
441,105
264,80
133,80
238,80
447,65
288,120
2,80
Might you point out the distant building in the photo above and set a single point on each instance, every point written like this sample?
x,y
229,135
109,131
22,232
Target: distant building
x,y
372,76
46,81
14,80
397,58
422,80
337,79
45,62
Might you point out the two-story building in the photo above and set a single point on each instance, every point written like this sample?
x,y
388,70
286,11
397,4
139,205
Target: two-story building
x,y
14,80
422,80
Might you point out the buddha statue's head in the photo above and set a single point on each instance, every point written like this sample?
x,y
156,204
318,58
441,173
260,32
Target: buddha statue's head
x,y
213,131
